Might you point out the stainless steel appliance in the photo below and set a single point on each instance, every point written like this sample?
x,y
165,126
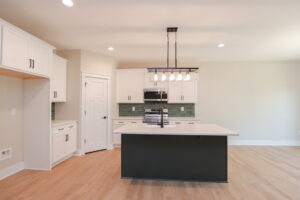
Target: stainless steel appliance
x,y
155,95
154,116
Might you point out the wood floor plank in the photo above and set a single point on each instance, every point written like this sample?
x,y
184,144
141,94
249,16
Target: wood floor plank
x,y
255,172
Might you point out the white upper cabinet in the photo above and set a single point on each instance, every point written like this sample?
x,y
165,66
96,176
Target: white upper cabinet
x,y
130,85
39,54
15,50
183,92
24,53
59,79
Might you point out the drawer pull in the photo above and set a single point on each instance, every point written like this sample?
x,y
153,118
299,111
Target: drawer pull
x,y
121,122
71,126
61,129
133,122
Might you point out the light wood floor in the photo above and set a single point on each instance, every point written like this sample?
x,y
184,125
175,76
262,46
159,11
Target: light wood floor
x,y
254,173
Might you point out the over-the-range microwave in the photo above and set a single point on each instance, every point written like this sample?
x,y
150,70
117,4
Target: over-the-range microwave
x,y
155,95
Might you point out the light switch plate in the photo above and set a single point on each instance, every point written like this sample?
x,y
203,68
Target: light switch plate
x,y
5,153
133,108
182,109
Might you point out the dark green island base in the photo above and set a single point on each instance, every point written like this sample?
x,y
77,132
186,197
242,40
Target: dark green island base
x,y
174,157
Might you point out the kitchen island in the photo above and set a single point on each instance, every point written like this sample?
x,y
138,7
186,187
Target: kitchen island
x,y
193,152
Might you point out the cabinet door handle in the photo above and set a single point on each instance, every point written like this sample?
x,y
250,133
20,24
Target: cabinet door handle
x,y
55,94
183,97
67,138
30,62
104,117
33,63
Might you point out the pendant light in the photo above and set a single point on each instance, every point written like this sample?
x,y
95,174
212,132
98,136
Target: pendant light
x,y
179,77
163,76
169,69
155,76
172,77
187,76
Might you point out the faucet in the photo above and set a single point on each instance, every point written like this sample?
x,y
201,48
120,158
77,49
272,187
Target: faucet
x,y
161,117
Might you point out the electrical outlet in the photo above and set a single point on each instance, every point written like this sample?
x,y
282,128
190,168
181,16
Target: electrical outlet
x,y
133,108
5,154
182,109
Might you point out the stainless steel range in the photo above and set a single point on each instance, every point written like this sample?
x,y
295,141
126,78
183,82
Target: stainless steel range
x,y
153,116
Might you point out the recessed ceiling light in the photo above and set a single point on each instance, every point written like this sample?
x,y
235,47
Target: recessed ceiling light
x,y
111,48
68,3
221,45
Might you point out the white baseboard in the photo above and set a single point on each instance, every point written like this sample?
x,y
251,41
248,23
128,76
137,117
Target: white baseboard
x,y
265,142
117,146
11,170
79,152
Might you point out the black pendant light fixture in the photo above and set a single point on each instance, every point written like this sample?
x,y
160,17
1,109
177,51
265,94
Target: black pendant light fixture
x,y
169,69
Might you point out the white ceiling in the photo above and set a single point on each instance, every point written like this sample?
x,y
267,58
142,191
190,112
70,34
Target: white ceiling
x,y
250,29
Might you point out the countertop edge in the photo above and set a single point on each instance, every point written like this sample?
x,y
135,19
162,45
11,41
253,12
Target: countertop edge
x,y
62,122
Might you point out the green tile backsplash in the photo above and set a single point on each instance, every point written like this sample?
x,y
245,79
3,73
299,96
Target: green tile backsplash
x,y
53,111
125,109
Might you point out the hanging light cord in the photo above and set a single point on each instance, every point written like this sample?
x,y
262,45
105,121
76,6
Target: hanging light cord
x,y
168,44
176,49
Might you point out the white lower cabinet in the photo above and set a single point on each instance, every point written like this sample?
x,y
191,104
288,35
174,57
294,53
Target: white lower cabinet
x,y
64,141
118,124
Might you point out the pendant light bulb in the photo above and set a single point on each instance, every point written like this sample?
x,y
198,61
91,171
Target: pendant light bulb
x,y
163,77
179,77
172,77
155,77
187,77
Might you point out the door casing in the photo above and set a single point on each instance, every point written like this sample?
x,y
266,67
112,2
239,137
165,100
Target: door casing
x,y
83,92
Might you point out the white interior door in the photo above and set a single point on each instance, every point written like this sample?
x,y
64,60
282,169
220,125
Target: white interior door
x,y
96,114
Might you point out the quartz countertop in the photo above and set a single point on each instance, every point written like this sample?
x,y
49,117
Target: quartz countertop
x,y
61,122
182,129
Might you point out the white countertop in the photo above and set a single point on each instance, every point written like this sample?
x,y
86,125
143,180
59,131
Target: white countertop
x,y
61,122
182,129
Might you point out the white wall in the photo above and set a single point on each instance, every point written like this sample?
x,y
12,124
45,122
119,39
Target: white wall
x,y
259,100
11,126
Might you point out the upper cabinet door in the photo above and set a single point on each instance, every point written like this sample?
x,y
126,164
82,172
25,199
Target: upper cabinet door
x,y
23,54
189,91
59,79
15,50
175,92
183,92
130,85
39,54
